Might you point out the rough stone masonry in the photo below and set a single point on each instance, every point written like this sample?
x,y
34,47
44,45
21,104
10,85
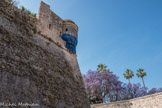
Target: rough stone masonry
x,y
37,67
149,101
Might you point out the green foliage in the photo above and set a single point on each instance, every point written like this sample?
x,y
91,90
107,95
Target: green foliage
x,y
141,73
10,1
94,101
128,74
33,14
102,67
22,8
28,11
34,30
13,2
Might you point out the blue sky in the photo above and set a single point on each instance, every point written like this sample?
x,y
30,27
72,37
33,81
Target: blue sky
x,y
119,33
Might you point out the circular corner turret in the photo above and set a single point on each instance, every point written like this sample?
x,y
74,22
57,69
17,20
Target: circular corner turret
x,y
70,35
70,28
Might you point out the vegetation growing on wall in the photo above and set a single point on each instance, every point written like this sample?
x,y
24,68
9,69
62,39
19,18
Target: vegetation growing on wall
x,y
28,11
15,3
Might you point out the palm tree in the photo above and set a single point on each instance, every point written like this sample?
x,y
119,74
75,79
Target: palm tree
x,y
141,74
102,67
128,74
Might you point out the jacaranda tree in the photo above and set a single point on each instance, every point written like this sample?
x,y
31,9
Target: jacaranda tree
x,y
130,91
102,85
155,90
106,87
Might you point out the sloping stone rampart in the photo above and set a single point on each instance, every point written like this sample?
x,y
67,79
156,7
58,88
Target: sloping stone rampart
x,y
149,101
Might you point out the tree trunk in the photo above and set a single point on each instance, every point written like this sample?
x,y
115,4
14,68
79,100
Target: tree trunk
x,y
130,89
143,83
129,81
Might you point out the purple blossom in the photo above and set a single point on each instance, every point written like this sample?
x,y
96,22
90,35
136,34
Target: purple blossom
x,y
101,86
155,90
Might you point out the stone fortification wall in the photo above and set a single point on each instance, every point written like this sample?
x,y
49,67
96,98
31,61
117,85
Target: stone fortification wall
x,y
150,101
34,68
49,24
22,18
62,32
